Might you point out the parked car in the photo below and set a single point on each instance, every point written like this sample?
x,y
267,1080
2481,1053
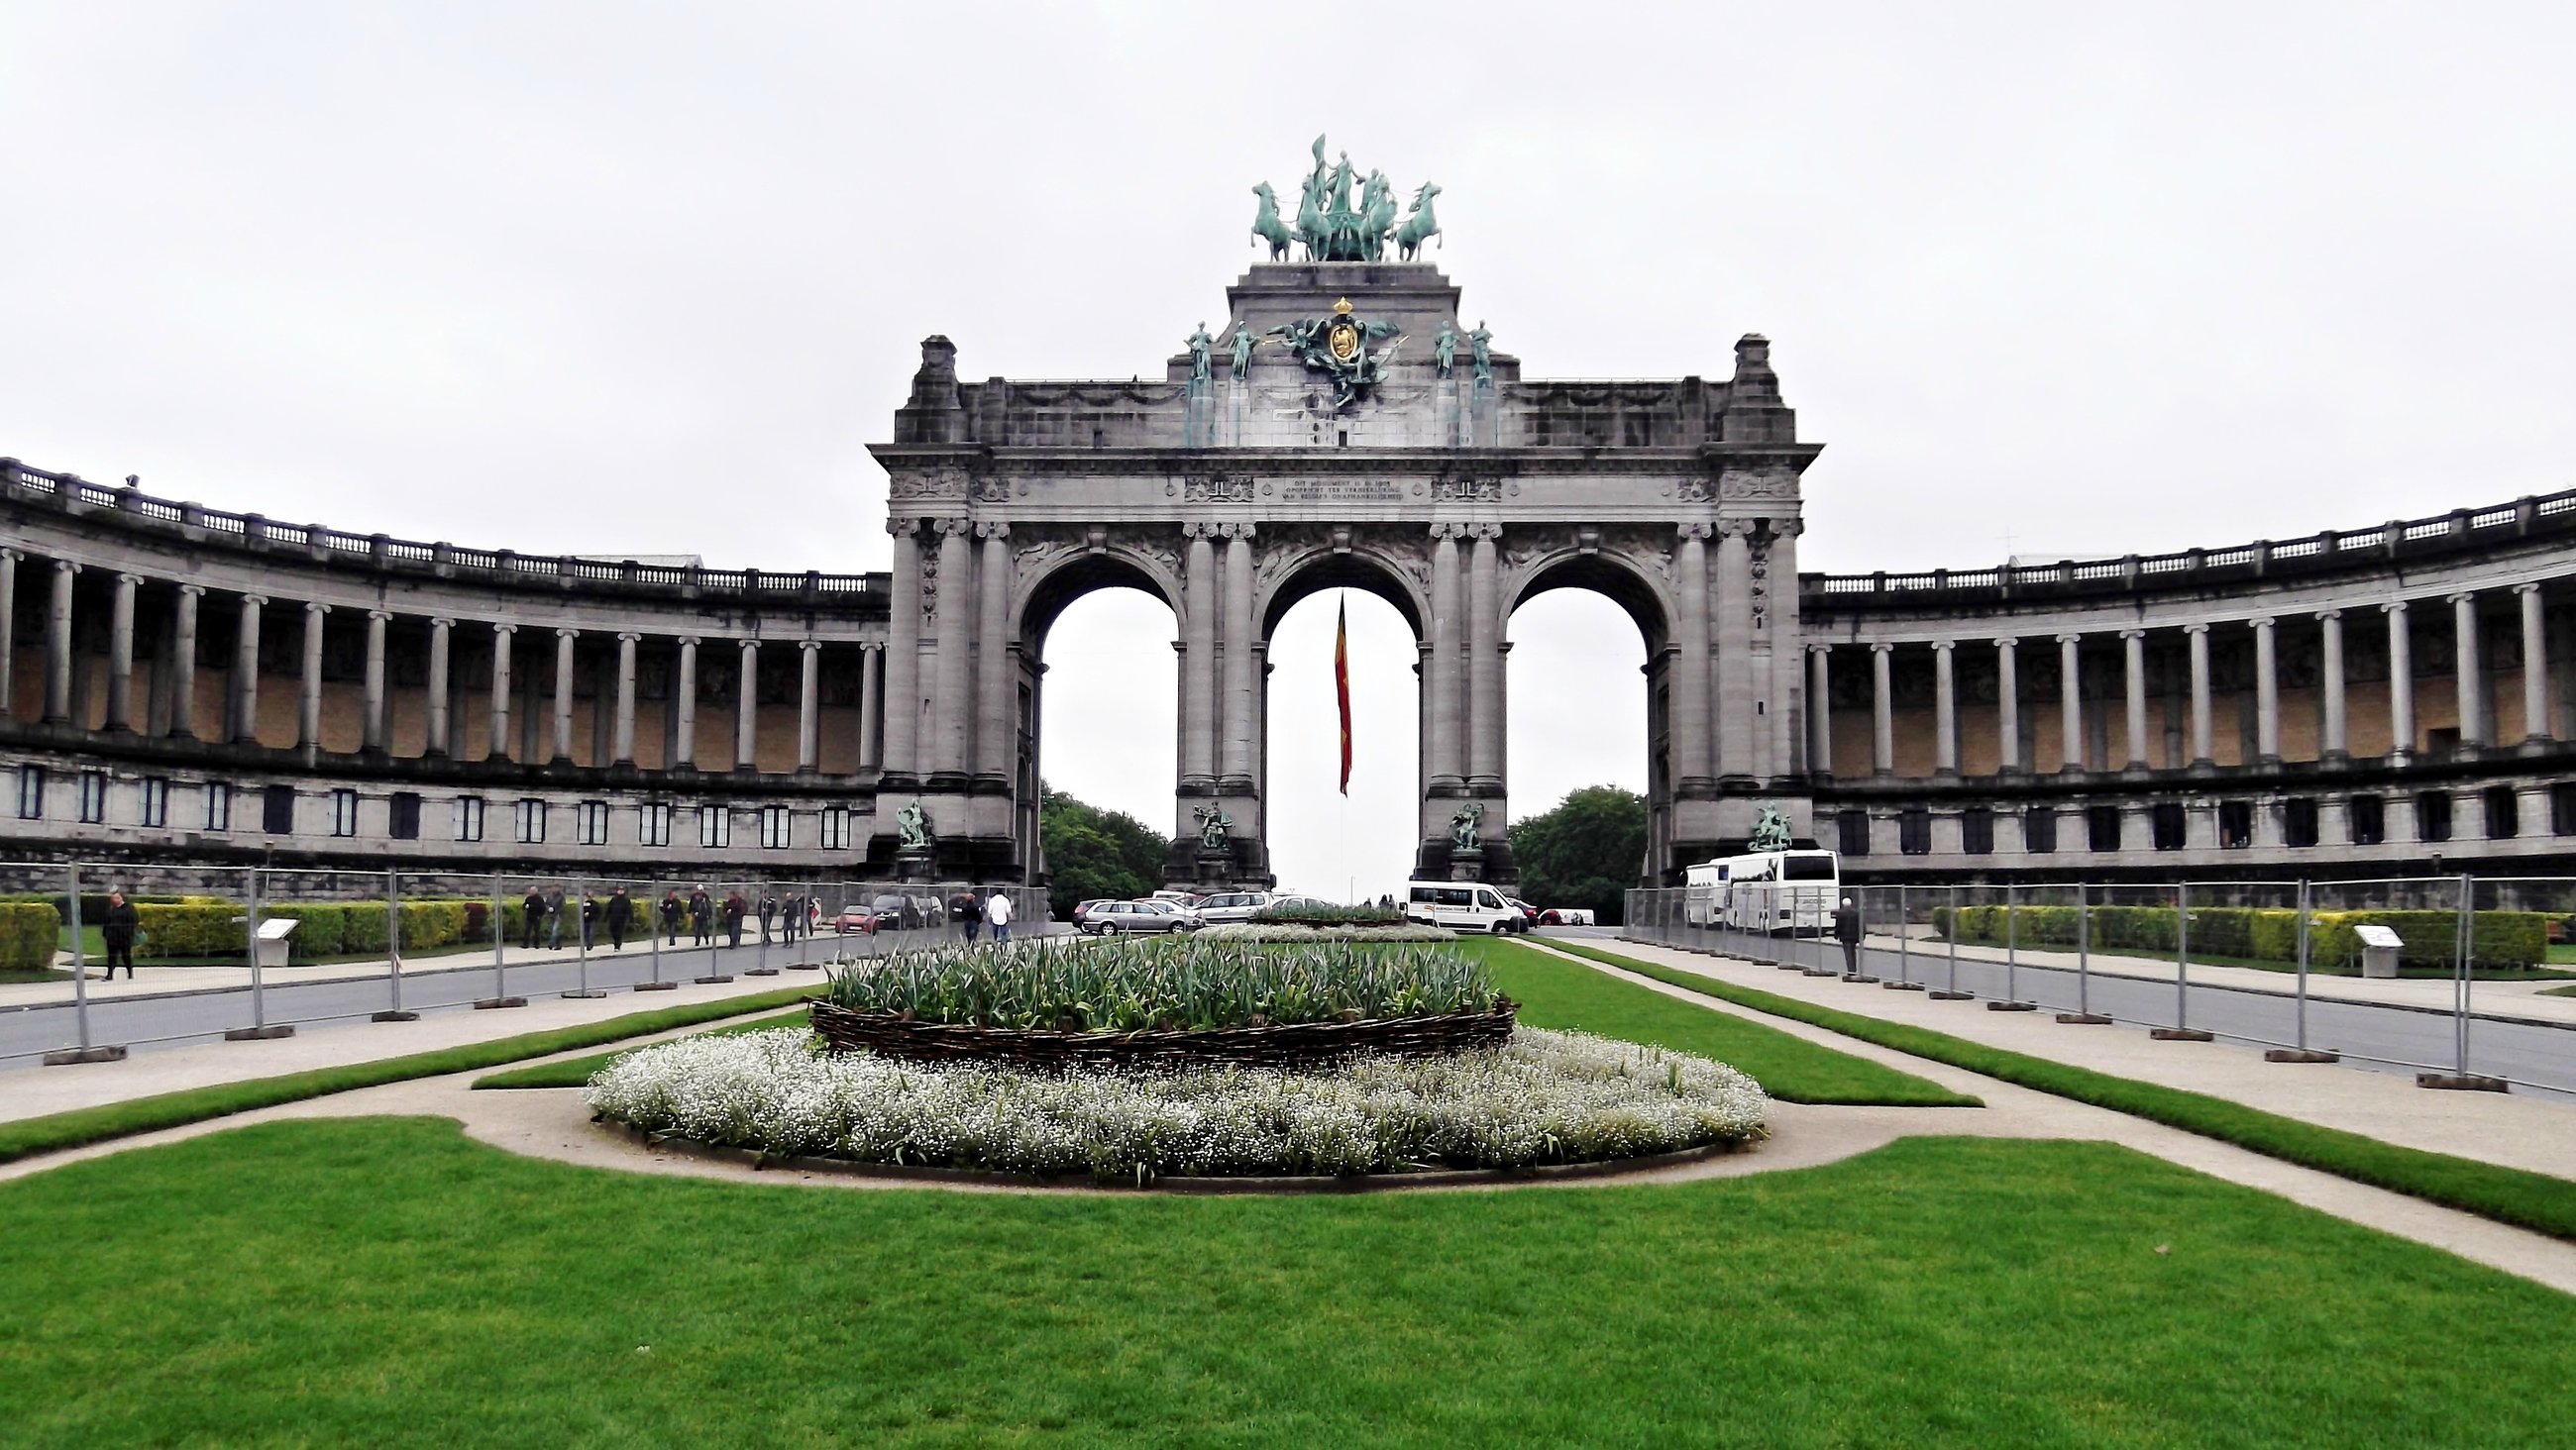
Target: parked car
x,y
1565,916
1460,906
1228,906
1529,913
1138,916
889,911
1185,900
1082,909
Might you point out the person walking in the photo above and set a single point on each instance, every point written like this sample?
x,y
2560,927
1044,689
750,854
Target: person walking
x,y
671,915
118,932
554,919
997,914
589,920
813,913
1847,931
702,912
735,908
768,911
620,907
532,918
787,915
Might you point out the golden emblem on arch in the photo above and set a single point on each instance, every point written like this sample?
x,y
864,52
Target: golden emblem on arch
x,y
1344,338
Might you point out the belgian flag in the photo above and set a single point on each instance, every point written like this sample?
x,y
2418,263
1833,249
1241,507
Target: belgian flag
x,y
1342,682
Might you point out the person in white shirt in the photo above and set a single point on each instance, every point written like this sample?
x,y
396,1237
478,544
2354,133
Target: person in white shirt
x,y
997,912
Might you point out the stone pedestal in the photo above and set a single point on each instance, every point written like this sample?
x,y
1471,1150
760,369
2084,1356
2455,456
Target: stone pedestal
x,y
915,864
1215,867
1466,863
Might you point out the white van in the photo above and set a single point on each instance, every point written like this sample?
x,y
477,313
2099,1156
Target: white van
x,y
1766,891
1460,906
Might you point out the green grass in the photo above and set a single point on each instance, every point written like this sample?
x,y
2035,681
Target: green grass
x,y
1557,993
2534,1201
58,1131
388,1281
576,1071
38,974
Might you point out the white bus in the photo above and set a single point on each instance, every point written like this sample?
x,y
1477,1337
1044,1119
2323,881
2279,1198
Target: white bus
x,y
1766,891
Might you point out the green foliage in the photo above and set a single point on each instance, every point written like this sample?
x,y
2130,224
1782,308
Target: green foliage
x,y
1126,985
2268,934
1092,853
573,1072
1583,853
2534,1201
30,932
1327,916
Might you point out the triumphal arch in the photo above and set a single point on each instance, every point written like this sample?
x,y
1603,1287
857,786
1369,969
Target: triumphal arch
x,y
1348,425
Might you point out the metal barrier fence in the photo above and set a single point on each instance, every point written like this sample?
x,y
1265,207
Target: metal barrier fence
x,y
2275,965
154,955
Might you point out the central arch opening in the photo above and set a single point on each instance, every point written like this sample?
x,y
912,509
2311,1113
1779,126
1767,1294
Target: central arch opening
x,y
1579,738
1105,719
1323,843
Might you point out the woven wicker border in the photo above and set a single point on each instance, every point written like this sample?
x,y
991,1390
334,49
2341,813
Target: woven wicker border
x,y
1295,1045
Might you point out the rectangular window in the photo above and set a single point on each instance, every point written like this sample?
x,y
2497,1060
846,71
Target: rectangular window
x,y
31,792
2102,827
2299,821
2433,816
836,828
2166,826
1977,831
402,815
466,813
219,805
2504,812
93,797
1852,830
1914,831
277,810
777,828
2039,830
715,827
2562,808
2235,824
2368,818
590,820
344,813
653,824
152,802
528,822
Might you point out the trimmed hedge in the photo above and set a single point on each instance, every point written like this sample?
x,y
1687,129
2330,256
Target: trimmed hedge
x,y
30,933
206,926
1327,916
2264,934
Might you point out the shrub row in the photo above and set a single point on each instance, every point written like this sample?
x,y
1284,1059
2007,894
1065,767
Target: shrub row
x,y
2263,934
30,933
1327,916
204,926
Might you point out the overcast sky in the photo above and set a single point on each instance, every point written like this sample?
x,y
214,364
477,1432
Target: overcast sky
x,y
647,278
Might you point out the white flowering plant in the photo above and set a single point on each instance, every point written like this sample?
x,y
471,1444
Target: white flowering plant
x,y
1541,1098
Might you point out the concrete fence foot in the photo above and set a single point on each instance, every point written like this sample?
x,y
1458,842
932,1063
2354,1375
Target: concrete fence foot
x,y
2083,1019
1953,996
578,992
1902,986
2464,1083
74,1056
2179,1034
2292,1054
259,1034
490,1003
657,986
760,971
2012,1006
395,1017
714,981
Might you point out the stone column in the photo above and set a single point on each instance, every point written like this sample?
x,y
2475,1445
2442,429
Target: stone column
x,y
308,718
953,718
563,694
498,747
2338,742
1484,663
809,706
1731,623
245,680
683,754
2267,692
1198,660
2401,685
58,645
2007,707
2471,679
871,701
1882,713
120,654
1820,712
1694,753
996,728
2134,676
2070,701
8,633
1782,688
2535,665
435,737
903,652
746,711
1241,709
1448,766
2202,730
622,740
373,725
1945,711
183,662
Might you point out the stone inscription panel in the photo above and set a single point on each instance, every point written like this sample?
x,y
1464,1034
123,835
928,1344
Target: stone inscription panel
x,y
1339,490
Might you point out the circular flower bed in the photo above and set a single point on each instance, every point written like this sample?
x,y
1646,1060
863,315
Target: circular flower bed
x,y
1541,1098
1261,931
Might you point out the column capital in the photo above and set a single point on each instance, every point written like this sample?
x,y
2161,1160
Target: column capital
x,y
1485,533
1734,529
504,627
2325,616
628,636
441,622
2201,628
1788,528
2530,588
66,566
312,607
2133,634
2259,622
749,641
566,631
1945,645
686,641
2465,596
2070,639
2394,606
1447,533
900,527
1238,531
1690,530
1880,649
1820,650
12,555
380,614
1197,529
992,528
193,591
254,599
952,528
129,580
809,645
2008,641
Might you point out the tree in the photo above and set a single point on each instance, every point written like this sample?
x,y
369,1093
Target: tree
x,y
1585,853
1092,853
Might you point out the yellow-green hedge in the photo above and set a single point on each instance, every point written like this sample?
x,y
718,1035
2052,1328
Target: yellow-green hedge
x,y
30,933
2265,934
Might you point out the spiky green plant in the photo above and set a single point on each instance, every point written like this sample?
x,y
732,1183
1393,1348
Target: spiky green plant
x,y
1128,986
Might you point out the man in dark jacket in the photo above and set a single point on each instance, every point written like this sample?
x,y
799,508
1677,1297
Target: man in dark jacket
x,y
702,917
768,912
620,906
671,915
118,931
734,907
1847,931
532,918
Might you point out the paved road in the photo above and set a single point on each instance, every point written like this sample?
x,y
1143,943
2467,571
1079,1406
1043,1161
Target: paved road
x,y
441,984
2396,1039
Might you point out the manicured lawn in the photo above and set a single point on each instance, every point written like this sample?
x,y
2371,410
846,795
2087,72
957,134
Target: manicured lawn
x,y
575,1071
387,1281
40,974
2508,1195
1557,993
